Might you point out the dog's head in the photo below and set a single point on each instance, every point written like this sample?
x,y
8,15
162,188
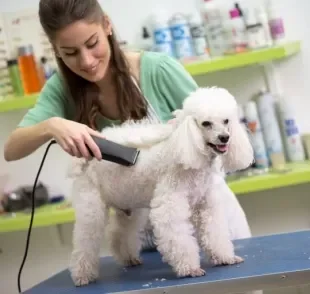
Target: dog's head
x,y
210,126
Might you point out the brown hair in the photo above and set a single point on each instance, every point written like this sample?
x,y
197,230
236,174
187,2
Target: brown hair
x,y
57,14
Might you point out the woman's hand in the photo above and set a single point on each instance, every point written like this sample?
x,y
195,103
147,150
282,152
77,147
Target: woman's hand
x,y
74,137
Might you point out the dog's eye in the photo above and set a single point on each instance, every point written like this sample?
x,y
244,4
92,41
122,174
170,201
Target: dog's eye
x,y
226,121
206,124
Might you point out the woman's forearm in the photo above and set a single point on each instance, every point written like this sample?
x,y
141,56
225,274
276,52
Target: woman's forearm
x,y
24,141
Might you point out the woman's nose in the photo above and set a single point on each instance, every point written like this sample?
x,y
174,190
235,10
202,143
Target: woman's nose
x,y
86,60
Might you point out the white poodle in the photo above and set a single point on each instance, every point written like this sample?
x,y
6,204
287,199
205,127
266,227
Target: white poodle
x,y
177,184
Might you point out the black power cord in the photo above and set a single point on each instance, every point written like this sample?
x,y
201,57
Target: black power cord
x,y
32,214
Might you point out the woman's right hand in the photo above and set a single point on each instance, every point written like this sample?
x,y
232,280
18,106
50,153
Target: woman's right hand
x,y
73,137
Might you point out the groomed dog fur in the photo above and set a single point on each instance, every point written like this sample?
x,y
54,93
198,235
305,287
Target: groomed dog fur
x,y
175,184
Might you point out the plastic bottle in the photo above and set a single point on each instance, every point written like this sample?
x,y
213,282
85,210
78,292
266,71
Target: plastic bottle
x,y
254,30
28,69
239,39
270,126
15,77
146,40
292,138
262,18
198,34
162,34
212,17
276,24
256,135
181,36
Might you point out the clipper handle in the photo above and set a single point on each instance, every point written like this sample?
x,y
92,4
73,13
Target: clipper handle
x,y
115,152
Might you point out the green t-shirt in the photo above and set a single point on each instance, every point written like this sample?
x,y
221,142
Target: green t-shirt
x,y
164,82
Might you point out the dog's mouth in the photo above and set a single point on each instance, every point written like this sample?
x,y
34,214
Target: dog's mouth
x,y
219,148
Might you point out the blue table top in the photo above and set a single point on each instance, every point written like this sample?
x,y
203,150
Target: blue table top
x,y
265,257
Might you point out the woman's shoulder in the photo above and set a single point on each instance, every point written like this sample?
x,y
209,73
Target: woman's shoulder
x,y
54,86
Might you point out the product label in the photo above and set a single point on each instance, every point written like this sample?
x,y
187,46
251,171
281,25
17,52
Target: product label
x,y
197,32
182,41
276,28
163,41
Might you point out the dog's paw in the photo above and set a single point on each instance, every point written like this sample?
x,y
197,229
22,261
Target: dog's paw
x,y
198,272
226,260
83,270
134,261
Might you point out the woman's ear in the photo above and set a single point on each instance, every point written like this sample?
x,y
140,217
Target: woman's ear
x,y
107,25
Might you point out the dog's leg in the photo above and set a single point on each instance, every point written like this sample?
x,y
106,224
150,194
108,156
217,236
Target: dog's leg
x,y
170,217
214,233
125,241
90,214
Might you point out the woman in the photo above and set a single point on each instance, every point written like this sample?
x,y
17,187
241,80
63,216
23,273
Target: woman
x,y
98,84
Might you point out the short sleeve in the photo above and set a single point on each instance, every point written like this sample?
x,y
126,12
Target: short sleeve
x,y
50,103
174,82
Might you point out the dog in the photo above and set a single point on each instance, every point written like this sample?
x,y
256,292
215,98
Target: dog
x,y
175,184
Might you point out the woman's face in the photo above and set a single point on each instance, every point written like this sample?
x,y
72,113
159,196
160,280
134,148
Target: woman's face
x,y
85,49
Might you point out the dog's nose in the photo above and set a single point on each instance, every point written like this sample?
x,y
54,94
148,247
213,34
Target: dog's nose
x,y
223,138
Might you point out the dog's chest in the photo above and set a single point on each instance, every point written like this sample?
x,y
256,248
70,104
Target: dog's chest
x,y
196,183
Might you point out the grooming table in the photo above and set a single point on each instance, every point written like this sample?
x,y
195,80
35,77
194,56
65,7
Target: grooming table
x,y
270,262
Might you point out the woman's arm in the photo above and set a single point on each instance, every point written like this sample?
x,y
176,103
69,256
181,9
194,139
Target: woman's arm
x,y
24,141
33,130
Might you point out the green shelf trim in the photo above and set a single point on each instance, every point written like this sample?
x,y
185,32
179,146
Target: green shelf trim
x,y
243,59
56,214
17,103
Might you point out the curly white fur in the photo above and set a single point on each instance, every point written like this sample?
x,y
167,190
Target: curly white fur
x,y
177,182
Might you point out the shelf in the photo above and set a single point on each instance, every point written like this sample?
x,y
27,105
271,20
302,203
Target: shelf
x,y
298,173
194,68
17,103
242,59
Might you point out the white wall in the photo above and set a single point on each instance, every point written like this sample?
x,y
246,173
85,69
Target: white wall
x,y
265,210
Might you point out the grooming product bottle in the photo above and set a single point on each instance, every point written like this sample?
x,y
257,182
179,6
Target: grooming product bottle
x,y
14,74
198,34
28,69
239,40
162,34
262,18
212,17
292,138
256,135
271,129
181,36
276,24
254,30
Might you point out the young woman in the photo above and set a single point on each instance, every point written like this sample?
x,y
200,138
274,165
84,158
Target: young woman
x,y
98,84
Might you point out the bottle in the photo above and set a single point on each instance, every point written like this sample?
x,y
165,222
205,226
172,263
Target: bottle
x,y
181,36
146,40
212,17
28,69
15,78
198,34
262,18
276,24
271,129
256,135
254,30
239,39
47,69
162,34
292,138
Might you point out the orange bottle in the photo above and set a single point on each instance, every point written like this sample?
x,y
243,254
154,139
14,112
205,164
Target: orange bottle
x,y
28,70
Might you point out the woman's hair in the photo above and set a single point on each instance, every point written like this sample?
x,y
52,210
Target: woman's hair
x,y
56,15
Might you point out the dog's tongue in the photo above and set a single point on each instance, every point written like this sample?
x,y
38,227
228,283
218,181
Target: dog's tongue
x,y
222,148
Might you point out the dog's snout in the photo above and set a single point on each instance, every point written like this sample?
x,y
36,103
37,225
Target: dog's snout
x,y
223,138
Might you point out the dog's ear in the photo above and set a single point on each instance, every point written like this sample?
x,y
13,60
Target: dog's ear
x,y
187,143
240,153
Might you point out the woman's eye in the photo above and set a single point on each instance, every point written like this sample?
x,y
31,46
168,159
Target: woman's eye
x,y
93,44
206,124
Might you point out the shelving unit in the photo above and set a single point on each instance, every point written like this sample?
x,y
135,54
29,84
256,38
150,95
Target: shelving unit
x,y
57,214
198,67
